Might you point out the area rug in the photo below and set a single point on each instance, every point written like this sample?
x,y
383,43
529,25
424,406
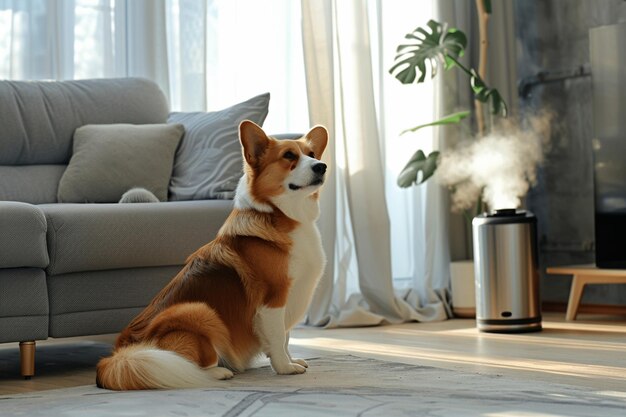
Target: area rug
x,y
338,385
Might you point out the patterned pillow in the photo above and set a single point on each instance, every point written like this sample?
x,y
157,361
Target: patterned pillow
x,y
208,162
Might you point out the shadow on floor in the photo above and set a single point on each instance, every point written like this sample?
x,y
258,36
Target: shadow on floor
x,y
54,360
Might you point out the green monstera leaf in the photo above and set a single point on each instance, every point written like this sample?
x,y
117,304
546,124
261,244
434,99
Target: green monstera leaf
x,y
483,93
436,45
419,162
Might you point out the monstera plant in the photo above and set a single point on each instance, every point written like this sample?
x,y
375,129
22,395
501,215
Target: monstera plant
x,y
433,48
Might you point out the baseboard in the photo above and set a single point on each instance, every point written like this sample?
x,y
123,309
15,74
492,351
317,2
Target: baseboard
x,y
561,307
558,307
464,312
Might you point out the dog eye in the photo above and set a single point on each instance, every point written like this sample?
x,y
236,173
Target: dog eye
x,y
312,154
290,155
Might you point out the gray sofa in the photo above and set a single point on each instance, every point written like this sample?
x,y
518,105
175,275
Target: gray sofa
x,y
81,269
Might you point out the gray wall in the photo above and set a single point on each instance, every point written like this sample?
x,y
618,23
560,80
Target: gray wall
x,y
554,35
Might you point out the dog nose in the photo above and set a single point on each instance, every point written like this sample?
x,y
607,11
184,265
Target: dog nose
x,y
319,168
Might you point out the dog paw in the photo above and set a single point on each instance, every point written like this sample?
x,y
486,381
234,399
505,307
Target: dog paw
x,y
290,369
220,373
300,362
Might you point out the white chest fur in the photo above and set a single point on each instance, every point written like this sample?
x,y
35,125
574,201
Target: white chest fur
x,y
306,264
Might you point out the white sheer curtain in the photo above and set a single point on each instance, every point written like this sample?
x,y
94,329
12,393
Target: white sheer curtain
x,y
226,50
349,44
205,54
387,247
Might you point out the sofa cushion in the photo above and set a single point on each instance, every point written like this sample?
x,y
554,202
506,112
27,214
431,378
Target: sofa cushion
x,y
107,290
95,237
23,305
22,236
91,322
107,300
35,184
208,162
108,160
38,118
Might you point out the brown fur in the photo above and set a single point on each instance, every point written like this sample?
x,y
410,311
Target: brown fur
x,y
193,330
206,312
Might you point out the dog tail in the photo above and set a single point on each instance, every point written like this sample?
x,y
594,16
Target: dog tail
x,y
182,350
144,366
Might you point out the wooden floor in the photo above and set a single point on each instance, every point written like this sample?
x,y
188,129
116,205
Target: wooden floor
x,y
590,352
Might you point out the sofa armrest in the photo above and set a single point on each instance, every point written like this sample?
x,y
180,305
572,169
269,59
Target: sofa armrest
x,y
22,236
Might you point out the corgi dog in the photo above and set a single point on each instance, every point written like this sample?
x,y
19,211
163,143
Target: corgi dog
x,y
239,295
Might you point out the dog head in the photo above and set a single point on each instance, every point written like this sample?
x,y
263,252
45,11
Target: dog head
x,y
278,171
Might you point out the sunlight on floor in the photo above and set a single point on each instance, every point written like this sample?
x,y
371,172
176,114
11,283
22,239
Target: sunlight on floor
x,y
391,350
584,353
546,337
614,394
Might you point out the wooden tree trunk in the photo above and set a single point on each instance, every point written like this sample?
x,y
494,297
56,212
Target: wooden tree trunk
x,y
483,20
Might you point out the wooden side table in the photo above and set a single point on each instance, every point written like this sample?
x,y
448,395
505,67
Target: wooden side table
x,y
583,275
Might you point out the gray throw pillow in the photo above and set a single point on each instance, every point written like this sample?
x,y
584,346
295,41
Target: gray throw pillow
x,y
108,160
208,162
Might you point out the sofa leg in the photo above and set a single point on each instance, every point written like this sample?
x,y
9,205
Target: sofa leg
x,y
27,359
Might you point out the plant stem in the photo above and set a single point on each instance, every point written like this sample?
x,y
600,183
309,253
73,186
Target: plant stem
x,y
483,19
465,69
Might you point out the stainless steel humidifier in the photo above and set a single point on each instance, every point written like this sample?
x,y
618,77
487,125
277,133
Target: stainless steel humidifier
x,y
506,271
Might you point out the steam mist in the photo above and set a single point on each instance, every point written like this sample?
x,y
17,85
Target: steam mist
x,y
501,166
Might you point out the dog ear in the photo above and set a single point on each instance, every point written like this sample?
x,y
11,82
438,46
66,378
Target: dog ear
x,y
317,138
253,140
